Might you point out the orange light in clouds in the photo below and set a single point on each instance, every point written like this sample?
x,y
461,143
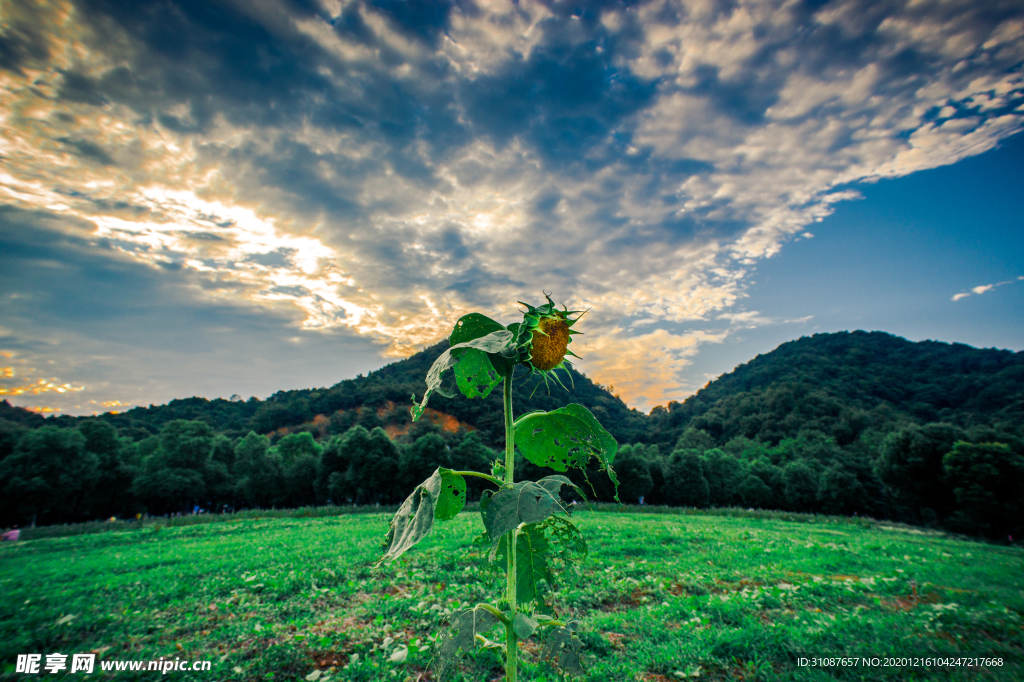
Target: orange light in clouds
x,y
41,386
43,410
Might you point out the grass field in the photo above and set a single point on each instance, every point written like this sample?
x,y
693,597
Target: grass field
x,y
662,597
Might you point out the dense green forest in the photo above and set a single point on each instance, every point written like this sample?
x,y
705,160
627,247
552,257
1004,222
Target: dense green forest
x,y
848,423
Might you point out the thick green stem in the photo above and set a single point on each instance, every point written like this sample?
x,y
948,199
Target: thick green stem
x,y
509,439
511,643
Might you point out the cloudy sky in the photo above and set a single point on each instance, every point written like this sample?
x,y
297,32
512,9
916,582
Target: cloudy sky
x,y
239,196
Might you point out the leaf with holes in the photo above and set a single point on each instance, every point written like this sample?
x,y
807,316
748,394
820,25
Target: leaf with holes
x,y
565,539
566,437
463,635
475,374
441,496
491,343
453,495
525,502
564,645
474,326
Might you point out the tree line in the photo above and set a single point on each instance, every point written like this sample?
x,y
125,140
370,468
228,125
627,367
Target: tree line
x,y
936,474
60,475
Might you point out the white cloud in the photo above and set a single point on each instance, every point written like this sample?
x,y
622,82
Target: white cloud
x,y
981,289
379,190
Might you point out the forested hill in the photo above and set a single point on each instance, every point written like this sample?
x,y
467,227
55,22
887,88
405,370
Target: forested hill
x,y
843,385
849,383
381,398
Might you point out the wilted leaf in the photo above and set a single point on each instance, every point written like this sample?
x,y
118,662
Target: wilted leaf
x,y
563,643
462,637
491,343
399,655
442,496
312,677
523,625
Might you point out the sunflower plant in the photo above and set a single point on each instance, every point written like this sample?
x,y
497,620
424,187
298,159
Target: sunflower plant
x,y
526,523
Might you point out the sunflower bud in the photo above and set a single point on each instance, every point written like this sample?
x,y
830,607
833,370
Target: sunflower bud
x,y
546,335
550,341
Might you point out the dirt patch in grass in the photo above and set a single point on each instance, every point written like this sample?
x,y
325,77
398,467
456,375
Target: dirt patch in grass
x,y
689,589
636,598
615,639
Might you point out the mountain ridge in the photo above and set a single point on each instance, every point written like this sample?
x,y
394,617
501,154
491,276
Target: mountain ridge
x,y
848,375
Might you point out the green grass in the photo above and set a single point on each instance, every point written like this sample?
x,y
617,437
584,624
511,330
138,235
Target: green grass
x,y
662,597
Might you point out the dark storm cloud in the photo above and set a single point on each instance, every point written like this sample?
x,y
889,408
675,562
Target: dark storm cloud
x,y
88,150
22,41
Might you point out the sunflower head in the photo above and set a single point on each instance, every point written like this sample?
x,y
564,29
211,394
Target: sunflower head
x,y
545,335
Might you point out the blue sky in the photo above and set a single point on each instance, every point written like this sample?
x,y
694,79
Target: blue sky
x,y
894,260
218,198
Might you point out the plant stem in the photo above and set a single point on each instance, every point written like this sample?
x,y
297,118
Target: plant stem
x,y
511,643
492,479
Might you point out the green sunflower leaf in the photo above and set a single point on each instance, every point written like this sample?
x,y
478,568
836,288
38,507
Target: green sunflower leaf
x,y
566,437
565,539
441,496
491,343
475,374
475,326
472,326
525,502
453,495
523,625
532,552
